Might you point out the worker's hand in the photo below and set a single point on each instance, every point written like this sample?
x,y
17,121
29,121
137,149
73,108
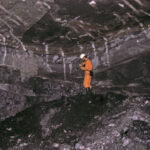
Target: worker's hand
x,y
80,65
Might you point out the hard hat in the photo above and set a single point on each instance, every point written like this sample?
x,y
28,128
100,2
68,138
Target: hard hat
x,y
82,55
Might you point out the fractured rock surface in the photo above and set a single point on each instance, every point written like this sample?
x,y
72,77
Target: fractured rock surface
x,y
42,102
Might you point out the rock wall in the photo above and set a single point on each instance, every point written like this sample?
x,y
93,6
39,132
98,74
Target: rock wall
x,y
33,77
17,95
104,55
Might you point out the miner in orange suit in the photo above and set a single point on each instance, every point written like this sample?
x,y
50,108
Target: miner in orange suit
x,y
87,66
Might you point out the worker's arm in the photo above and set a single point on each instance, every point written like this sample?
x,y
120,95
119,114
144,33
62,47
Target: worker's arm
x,y
82,64
88,66
82,68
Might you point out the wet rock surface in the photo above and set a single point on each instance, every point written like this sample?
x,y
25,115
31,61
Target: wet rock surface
x,y
17,95
69,23
43,105
98,122
44,112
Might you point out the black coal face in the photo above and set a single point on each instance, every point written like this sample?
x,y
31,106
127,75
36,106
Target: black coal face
x,y
68,119
68,21
45,30
43,102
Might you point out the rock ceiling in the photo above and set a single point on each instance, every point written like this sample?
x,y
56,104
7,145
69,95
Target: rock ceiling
x,y
32,24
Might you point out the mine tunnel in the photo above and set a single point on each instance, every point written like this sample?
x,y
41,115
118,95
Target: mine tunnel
x,y
44,101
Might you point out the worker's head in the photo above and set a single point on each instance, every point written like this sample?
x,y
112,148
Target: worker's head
x,y
82,56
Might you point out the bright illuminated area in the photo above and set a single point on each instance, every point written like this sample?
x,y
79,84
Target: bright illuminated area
x,y
92,3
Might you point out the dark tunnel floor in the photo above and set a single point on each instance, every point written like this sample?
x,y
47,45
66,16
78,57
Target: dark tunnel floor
x,y
109,122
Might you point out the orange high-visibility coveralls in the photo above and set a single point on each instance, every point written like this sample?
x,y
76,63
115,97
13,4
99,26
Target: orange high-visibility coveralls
x,y
87,66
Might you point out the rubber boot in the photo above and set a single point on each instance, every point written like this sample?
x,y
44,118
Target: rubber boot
x,y
90,92
87,91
